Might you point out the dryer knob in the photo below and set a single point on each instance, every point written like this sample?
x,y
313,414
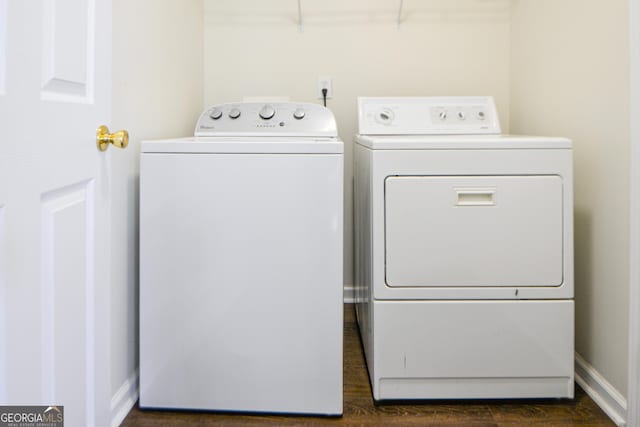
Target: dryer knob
x,y
299,114
215,114
442,115
234,113
385,116
267,112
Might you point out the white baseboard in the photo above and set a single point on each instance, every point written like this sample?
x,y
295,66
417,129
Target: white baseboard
x,y
601,391
349,294
124,399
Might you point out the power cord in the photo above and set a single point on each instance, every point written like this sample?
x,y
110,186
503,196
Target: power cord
x,y
324,95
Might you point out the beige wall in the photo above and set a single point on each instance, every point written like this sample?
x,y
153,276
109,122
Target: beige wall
x,y
555,67
157,93
570,77
443,47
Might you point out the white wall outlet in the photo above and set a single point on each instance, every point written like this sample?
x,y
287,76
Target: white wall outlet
x,y
325,82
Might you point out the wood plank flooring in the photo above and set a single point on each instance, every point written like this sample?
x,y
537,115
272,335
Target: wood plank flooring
x,y
359,409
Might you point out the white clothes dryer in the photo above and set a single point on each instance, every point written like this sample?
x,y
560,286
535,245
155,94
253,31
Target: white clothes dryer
x,y
464,252
241,237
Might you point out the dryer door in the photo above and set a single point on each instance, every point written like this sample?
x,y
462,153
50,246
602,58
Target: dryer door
x,y
478,231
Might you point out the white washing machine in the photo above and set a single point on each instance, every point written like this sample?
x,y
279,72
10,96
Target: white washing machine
x,y
464,253
241,290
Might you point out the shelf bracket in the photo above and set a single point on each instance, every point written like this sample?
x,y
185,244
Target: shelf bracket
x,y
300,26
400,6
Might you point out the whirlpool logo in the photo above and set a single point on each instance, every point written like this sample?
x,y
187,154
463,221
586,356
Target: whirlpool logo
x,y
31,416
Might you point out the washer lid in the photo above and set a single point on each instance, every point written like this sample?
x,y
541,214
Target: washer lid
x,y
245,145
461,142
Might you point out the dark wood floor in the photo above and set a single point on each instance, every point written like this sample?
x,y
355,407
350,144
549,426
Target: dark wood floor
x,y
359,409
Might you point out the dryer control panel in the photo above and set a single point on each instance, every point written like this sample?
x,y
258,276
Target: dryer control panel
x,y
267,119
455,115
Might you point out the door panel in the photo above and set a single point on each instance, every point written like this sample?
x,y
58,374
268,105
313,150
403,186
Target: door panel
x,y
3,44
67,45
67,290
3,302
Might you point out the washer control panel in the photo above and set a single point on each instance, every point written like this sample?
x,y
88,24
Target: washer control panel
x,y
277,119
456,115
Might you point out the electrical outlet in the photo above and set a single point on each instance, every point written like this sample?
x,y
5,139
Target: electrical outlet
x,y
325,83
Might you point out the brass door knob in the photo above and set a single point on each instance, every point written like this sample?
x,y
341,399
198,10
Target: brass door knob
x,y
103,138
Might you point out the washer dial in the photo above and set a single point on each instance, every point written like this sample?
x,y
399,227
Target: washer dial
x,y
267,112
215,113
234,113
299,114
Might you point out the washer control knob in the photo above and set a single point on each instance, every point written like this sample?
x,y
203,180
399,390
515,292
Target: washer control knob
x,y
234,113
481,115
215,114
443,115
267,112
299,114
461,115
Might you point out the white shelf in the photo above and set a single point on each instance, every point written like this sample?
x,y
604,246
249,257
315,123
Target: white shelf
x,y
301,22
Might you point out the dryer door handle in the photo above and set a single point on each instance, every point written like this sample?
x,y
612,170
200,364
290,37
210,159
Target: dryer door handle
x,y
475,196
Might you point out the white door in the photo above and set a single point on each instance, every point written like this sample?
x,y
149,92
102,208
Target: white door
x,y
54,93
633,392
